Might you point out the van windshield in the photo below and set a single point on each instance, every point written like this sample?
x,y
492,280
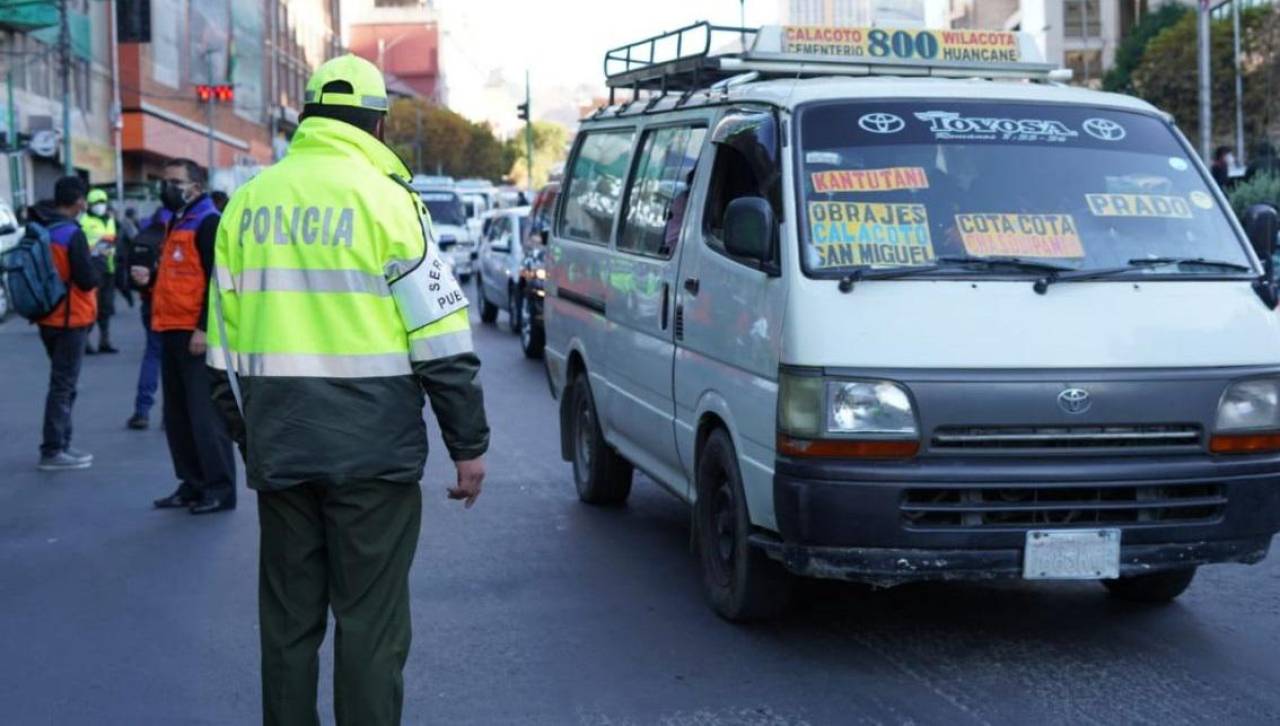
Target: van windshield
x,y
897,184
445,208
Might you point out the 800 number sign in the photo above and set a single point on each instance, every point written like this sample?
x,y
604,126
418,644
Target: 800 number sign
x,y
902,44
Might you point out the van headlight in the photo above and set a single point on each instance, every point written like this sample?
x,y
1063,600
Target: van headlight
x,y
1248,418
820,416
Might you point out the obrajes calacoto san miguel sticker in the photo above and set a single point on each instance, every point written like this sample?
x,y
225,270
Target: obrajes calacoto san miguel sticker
x,y
845,234
1020,235
1138,205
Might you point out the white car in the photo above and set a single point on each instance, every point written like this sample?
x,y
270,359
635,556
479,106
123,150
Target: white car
x,y
10,234
448,219
877,314
498,264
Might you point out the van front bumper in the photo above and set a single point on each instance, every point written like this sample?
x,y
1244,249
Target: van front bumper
x,y
854,520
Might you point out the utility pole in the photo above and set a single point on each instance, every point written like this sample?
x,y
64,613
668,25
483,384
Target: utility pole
x,y
11,144
208,54
117,120
1206,104
1235,28
528,129
417,136
64,51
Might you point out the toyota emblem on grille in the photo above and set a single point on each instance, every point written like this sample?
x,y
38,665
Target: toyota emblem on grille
x,y
1074,400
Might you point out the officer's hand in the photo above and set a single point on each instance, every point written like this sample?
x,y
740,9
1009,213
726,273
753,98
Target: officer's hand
x,y
141,275
199,343
470,479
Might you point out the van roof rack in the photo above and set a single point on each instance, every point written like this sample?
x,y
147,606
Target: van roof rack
x,y
700,55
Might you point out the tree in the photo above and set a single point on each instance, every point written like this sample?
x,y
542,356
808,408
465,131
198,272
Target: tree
x,y
550,143
1167,77
1129,53
449,143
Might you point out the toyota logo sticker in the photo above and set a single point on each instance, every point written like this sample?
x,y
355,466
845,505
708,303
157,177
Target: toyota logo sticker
x,y
1103,129
881,123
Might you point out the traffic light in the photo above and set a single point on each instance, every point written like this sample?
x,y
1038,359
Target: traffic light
x,y
523,110
220,93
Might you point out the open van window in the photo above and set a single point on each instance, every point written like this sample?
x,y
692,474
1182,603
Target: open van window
x,y
887,184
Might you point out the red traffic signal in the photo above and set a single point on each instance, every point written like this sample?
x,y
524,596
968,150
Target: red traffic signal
x,y
220,93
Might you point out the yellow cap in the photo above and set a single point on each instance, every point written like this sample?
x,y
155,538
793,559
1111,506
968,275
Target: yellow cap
x,y
368,89
96,195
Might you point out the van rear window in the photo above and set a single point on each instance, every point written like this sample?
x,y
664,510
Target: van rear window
x,y
904,183
593,190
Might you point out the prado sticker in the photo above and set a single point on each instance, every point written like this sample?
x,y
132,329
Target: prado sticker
x,y
952,125
1201,200
864,233
870,180
1138,205
1020,235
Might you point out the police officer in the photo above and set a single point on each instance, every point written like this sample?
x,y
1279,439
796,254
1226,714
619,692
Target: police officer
x,y
338,315
100,231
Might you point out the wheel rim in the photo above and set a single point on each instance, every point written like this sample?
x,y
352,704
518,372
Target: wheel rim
x,y
526,322
584,433
722,529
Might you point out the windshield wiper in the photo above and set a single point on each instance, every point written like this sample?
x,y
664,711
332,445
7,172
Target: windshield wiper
x,y
1017,264
1137,263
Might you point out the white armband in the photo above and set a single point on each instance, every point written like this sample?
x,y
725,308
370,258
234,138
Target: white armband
x,y
428,292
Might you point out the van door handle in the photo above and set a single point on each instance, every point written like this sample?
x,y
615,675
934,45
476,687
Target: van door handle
x,y
666,301
691,285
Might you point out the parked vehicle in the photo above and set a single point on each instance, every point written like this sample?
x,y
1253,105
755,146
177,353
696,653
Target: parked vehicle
x,y
882,327
10,235
498,267
449,221
533,271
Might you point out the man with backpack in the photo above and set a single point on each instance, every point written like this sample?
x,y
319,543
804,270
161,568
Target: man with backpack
x,y
65,330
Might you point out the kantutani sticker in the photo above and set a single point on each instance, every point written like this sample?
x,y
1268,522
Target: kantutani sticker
x,y
846,234
1138,205
870,180
1202,200
1021,235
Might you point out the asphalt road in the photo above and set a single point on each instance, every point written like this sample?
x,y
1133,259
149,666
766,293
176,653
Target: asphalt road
x,y
534,609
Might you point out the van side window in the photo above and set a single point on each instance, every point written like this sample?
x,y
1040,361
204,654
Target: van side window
x,y
659,192
594,187
732,177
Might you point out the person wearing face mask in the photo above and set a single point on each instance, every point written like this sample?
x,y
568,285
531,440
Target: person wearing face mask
x,y
1223,160
100,231
198,440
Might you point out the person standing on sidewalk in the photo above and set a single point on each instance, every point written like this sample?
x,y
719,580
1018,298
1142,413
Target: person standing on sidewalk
x,y
100,232
65,330
332,314
144,251
198,441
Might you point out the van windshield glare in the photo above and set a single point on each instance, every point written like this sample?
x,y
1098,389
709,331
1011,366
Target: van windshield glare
x,y
891,184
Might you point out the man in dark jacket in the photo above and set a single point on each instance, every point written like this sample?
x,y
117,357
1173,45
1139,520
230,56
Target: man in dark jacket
x,y
143,251
65,330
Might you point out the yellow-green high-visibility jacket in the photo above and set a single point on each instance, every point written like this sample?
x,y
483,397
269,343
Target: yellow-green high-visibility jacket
x,y
100,232
332,383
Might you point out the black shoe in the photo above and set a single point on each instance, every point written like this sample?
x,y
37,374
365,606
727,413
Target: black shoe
x,y
138,422
209,505
178,500
90,350
108,348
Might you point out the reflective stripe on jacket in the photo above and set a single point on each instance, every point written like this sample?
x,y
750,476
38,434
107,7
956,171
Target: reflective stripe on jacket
x,y
332,383
80,307
178,296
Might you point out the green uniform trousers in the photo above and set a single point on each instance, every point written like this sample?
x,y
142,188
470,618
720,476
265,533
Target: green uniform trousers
x,y
348,547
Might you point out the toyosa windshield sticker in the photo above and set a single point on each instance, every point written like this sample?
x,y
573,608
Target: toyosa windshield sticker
x,y
952,125
881,123
845,234
1103,129
870,180
1020,235
1201,200
1138,205
1178,164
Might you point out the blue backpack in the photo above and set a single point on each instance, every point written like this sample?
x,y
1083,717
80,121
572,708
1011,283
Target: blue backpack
x,y
35,287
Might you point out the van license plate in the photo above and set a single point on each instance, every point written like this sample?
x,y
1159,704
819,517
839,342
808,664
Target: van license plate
x,y
1077,554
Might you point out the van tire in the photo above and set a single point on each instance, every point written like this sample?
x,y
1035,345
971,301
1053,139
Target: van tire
x,y
741,582
532,337
488,311
1157,587
600,474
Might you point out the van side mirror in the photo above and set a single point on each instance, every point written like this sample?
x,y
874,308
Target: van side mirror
x,y
1262,224
748,229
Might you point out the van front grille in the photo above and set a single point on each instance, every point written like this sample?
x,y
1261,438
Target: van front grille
x,y
1061,505
996,438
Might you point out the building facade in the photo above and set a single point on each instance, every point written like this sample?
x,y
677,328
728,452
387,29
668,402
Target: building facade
x,y
402,37
31,92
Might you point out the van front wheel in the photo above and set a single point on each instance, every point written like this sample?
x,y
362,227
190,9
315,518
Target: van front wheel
x,y
601,475
741,582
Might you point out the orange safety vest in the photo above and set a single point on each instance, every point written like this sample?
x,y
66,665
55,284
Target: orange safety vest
x,y
79,308
181,284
